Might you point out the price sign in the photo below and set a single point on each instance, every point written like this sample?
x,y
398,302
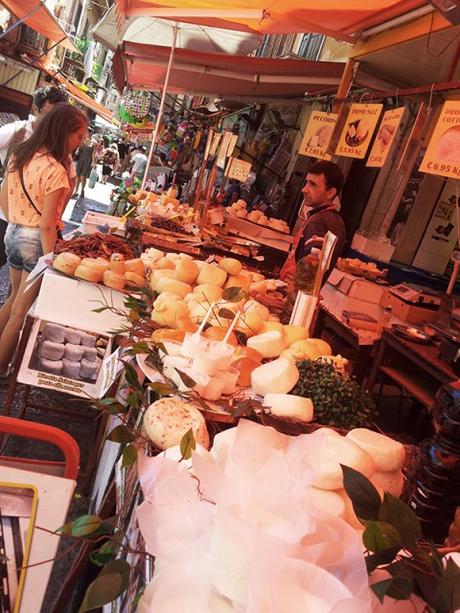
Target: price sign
x,y
442,156
358,130
318,135
227,137
385,137
238,169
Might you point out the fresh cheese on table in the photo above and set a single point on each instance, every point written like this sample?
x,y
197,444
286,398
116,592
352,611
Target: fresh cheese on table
x,y
325,454
294,333
278,376
288,405
329,502
391,482
387,454
268,344
167,420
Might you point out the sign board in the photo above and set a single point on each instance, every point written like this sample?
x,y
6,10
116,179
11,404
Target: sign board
x,y
318,135
232,145
222,156
209,142
196,140
358,130
385,137
238,169
215,143
442,156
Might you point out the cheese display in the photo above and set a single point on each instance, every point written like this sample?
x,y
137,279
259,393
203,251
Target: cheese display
x,y
388,455
288,405
278,376
252,551
268,344
61,350
239,209
167,420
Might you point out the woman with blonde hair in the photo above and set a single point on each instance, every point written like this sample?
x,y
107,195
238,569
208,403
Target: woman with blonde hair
x,y
33,196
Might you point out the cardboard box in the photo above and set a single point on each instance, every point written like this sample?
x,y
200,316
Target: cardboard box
x,y
33,371
407,312
92,220
71,302
373,248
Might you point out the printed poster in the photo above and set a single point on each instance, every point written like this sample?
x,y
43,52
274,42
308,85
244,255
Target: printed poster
x,y
222,155
318,135
358,130
385,137
442,156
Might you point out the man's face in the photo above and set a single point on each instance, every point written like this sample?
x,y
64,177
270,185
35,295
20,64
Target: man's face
x,y
315,193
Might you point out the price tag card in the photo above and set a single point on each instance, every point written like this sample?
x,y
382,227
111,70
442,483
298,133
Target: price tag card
x,y
385,137
227,137
238,169
442,156
358,130
318,135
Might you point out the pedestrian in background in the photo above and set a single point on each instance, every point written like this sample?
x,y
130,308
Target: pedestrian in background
x,y
110,160
34,193
86,160
17,132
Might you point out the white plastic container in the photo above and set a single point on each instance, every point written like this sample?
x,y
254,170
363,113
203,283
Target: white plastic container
x,y
92,221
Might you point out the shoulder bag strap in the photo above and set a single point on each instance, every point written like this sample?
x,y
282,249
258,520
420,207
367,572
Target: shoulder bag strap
x,y
21,178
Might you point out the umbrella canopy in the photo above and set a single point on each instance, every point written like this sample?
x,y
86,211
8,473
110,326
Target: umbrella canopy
x,y
148,30
144,67
337,18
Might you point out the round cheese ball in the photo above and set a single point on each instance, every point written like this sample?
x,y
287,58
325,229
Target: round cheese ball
x,y
186,270
135,265
209,293
165,284
167,420
211,275
231,265
67,262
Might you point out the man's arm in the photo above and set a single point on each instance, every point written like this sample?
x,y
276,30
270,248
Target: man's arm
x,y
7,133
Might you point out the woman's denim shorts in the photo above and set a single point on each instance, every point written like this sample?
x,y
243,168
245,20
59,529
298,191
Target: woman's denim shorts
x,y
23,246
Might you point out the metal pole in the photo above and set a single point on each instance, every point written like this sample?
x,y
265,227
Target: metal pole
x,y
162,104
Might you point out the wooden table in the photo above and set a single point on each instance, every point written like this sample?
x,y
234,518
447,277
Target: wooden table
x,y
360,354
416,368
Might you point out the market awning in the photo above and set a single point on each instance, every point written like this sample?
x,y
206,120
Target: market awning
x,y
148,30
37,16
144,67
80,96
337,18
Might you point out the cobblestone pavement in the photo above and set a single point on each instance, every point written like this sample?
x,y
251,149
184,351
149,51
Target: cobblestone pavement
x,y
81,428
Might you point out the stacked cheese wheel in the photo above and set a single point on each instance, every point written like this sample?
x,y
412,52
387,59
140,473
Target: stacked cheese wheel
x,y
376,456
117,273
239,209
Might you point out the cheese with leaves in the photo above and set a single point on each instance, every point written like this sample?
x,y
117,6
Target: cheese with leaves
x,y
168,419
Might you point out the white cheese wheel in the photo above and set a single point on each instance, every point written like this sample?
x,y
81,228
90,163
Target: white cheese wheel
x,y
211,275
288,405
164,284
160,274
268,344
167,420
279,377
327,501
388,454
326,458
391,482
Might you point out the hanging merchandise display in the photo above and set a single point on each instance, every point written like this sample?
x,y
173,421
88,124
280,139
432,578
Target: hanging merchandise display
x,y
385,137
358,130
442,156
318,135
